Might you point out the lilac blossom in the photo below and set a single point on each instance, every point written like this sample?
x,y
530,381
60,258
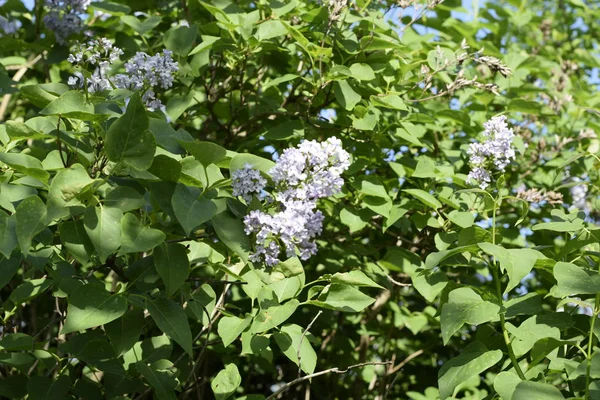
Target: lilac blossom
x,y
98,55
301,176
145,72
494,154
247,182
63,17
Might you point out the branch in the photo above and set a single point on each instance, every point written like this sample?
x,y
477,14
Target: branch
x,y
335,370
302,339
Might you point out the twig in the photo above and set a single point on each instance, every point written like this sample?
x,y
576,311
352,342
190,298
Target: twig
x,y
395,282
335,370
302,339
397,368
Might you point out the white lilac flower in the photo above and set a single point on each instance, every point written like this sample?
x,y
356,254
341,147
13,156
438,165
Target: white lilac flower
x,y
494,154
145,72
63,17
311,171
97,55
301,175
247,182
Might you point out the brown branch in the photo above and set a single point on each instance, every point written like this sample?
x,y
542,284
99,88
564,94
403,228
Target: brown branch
x,y
335,370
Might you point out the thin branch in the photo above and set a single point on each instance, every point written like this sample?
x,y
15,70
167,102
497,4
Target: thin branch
x,y
395,282
335,370
397,368
302,339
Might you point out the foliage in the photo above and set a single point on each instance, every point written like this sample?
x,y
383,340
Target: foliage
x,y
126,271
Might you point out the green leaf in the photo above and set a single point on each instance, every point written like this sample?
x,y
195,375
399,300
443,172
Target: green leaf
x,y
287,130
362,72
529,332
226,382
435,259
128,139
180,40
29,290
207,43
103,226
288,339
342,297
559,226
528,390
8,234
516,262
353,219
205,152
173,266
64,190
202,303
231,231
464,306
355,278
474,359
270,29
424,197
345,95
8,269
273,316
91,305
72,104
574,280
392,101
162,378
16,342
230,328
259,163
190,209
141,27
31,216
125,331
42,388
463,219
74,237
165,168
111,8
136,237
25,164
505,384
125,199
171,319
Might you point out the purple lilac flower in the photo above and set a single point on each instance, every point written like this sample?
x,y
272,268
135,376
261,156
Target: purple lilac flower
x,y
247,182
145,72
494,154
301,175
63,17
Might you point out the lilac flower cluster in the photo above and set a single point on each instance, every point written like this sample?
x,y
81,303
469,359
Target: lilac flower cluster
x,y
492,155
301,176
247,182
98,54
63,17
145,72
